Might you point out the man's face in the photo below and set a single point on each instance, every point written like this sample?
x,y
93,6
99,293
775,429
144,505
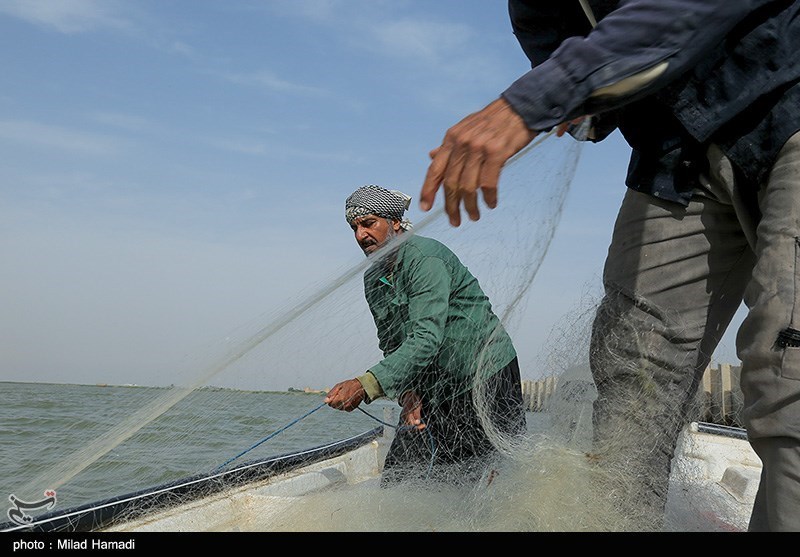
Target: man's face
x,y
372,232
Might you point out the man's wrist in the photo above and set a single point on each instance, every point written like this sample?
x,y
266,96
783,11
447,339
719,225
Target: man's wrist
x,y
371,386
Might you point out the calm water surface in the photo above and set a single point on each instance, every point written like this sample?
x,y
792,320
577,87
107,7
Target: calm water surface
x,y
47,426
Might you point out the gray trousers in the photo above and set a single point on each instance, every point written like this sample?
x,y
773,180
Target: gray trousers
x,y
674,278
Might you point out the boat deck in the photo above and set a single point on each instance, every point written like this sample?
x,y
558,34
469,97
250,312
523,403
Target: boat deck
x,y
714,479
715,476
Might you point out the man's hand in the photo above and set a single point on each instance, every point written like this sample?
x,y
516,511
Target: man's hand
x,y
471,156
346,395
411,414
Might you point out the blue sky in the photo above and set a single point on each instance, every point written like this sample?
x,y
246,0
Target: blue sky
x,y
174,168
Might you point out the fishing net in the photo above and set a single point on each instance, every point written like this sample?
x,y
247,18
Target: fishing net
x,y
229,405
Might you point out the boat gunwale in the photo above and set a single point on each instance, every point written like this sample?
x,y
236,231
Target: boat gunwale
x,y
105,513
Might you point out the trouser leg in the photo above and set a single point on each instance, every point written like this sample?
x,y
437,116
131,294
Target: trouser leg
x,y
769,349
674,278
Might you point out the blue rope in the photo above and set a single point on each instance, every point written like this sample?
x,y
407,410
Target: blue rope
x,y
290,424
267,438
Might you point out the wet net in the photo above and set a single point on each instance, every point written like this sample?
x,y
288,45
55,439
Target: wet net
x,y
229,421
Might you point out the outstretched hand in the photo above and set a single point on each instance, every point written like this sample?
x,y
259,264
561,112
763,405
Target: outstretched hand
x,y
346,395
471,157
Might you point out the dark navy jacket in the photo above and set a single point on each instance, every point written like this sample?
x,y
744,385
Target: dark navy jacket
x,y
727,73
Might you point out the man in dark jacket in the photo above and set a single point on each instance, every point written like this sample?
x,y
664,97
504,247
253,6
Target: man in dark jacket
x,y
706,93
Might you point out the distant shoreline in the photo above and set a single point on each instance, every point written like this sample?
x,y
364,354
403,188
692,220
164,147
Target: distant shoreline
x,y
289,391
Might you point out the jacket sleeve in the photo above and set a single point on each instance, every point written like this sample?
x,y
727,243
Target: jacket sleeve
x,y
635,50
428,294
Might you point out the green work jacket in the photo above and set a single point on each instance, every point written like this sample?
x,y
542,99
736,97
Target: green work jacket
x,y
435,325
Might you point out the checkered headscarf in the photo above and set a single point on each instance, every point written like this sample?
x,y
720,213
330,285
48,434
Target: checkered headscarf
x,y
378,201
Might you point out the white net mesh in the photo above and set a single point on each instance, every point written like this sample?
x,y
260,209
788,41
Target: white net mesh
x,y
230,404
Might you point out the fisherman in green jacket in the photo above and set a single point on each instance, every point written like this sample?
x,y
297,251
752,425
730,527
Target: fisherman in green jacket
x,y
445,351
